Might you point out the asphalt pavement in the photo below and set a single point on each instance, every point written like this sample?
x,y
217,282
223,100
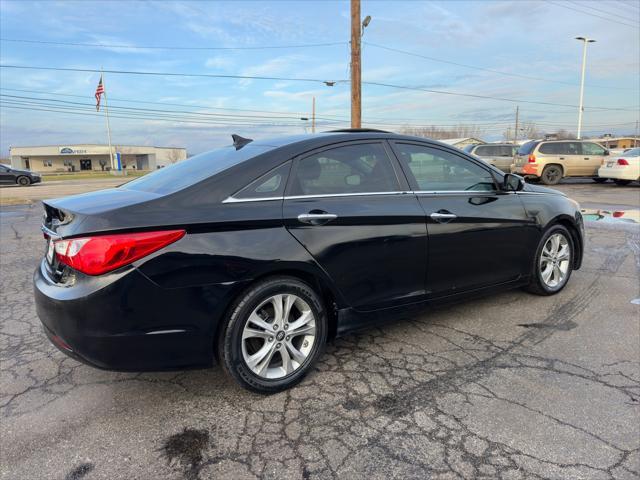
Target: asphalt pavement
x,y
512,386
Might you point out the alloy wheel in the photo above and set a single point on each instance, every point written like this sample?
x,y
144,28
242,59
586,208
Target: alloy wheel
x,y
278,336
555,260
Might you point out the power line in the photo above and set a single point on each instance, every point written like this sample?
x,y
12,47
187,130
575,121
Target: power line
x,y
613,14
172,116
167,47
485,97
200,114
592,14
508,74
172,74
379,84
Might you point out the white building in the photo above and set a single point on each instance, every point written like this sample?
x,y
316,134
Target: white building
x,y
85,157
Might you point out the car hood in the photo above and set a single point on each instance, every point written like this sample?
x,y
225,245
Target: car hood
x,y
17,170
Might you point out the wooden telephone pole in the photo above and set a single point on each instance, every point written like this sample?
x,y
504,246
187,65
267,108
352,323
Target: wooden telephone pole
x,y
356,34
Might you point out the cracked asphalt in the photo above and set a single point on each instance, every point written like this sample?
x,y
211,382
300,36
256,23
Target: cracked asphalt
x,y
512,386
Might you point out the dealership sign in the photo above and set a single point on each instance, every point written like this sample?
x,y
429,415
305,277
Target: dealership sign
x,y
69,150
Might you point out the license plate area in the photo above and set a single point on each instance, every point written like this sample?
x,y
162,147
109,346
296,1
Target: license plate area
x,y
610,164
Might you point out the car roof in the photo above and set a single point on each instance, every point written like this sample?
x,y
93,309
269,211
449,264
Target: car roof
x,y
335,136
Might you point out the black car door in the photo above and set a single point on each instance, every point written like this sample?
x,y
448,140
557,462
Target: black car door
x,y
348,205
6,176
478,234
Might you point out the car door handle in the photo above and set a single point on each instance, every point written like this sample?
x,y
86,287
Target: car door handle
x,y
561,158
586,158
316,218
443,217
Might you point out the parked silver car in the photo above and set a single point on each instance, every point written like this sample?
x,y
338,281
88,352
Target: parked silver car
x,y
499,155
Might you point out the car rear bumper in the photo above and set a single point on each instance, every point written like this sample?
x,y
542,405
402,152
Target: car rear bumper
x,y
624,173
128,323
528,169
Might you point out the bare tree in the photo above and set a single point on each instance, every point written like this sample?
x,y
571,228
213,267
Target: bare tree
x,y
563,134
172,156
439,133
526,131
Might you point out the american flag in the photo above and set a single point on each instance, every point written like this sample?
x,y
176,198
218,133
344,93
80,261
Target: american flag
x,y
99,92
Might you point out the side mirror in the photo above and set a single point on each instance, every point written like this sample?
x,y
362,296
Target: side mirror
x,y
512,183
606,152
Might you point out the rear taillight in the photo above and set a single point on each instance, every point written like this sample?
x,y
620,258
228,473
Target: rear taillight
x,y
104,253
532,158
622,161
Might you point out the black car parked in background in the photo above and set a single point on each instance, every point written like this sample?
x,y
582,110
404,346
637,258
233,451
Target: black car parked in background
x,y
258,252
12,176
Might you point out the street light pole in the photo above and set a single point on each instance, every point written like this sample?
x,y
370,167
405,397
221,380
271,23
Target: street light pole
x,y
584,67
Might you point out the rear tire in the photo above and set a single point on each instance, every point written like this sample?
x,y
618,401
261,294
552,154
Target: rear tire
x,y
23,181
620,181
262,349
599,179
551,175
553,262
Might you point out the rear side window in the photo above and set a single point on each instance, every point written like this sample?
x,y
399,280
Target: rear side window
x,y
560,148
486,151
362,168
527,148
193,170
269,185
439,170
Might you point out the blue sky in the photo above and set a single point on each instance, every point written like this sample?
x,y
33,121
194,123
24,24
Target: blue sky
x,y
530,38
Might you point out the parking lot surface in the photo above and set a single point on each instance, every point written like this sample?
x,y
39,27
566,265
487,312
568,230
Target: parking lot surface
x,y
510,386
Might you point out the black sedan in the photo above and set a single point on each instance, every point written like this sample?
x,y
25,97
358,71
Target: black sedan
x,y
12,176
257,253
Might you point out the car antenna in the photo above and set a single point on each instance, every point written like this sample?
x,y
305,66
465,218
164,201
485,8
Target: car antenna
x,y
239,141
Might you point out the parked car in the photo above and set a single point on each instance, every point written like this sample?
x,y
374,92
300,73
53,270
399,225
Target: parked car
x,y
499,155
12,176
551,161
256,253
623,169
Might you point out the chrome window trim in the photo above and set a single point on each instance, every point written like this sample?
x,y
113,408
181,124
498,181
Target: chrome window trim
x,y
322,195
459,192
244,200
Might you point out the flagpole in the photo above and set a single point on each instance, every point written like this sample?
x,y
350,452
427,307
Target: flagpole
x,y
106,111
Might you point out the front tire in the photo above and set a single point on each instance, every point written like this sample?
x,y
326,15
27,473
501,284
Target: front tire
x,y
274,335
553,262
620,181
23,181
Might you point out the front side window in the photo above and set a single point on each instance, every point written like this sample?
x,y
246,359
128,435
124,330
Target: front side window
x,y
363,168
3,169
592,149
439,170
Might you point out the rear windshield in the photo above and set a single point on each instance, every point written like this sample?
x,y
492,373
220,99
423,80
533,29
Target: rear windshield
x,y
634,152
193,170
527,148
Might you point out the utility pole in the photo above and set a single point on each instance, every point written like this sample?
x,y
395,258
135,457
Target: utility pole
x,y
356,79
585,40
313,115
515,135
